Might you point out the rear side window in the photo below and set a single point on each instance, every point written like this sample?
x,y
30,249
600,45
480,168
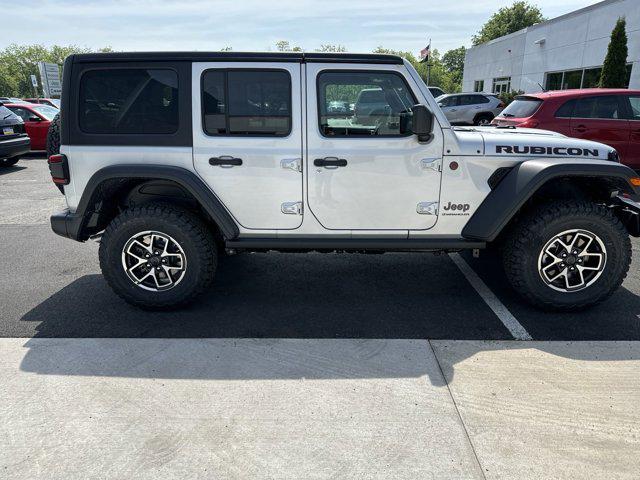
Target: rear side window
x,y
473,99
129,101
375,101
522,107
566,110
606,107
634,104
246,102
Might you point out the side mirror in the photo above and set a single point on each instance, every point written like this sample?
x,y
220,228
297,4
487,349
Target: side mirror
x,y
421,122
34,118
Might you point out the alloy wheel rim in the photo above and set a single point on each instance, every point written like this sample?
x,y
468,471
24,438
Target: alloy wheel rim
x,y
154,261
572,260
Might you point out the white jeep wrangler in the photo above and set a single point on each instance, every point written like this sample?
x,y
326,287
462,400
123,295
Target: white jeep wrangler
x,y
179,157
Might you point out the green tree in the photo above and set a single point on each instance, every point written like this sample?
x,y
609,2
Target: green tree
x,y
508,20
614,70
331,48
285,46
19,62
453,62
439,77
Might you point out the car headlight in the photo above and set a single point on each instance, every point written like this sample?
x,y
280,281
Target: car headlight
x,y
613,156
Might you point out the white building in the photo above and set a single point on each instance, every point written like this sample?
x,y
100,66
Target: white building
x,y
564,52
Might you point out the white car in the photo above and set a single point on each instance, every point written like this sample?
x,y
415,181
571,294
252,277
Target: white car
x,y
176,158
470,108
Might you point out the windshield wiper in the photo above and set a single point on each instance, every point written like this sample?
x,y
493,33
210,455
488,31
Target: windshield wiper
x,y
4,118
507,115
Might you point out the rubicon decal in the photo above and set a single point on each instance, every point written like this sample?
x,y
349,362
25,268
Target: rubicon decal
x,y
536,150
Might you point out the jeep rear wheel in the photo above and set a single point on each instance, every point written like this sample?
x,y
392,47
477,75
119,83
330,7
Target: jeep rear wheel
x,y
158,256
567,256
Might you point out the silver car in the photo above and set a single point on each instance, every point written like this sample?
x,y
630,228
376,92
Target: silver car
x,y
470,108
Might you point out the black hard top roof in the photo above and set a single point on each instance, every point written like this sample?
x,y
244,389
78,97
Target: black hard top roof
x,y
295,57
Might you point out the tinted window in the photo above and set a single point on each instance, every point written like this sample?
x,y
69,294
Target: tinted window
x,y
378,98
129,101
448,101
23,113
566,110
604,107
521,108
248,102
473,99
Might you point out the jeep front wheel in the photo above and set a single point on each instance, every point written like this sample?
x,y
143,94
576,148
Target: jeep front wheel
x,y
567,256
157,256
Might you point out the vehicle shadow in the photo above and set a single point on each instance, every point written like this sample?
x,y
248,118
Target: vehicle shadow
x,y
271,318
11,169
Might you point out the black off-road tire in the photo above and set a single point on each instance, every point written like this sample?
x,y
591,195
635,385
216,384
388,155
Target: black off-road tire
x,y
9,162
187,229
53,137
530,235
482,116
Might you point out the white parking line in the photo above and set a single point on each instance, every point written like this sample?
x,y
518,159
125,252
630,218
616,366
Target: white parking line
x,y
505,316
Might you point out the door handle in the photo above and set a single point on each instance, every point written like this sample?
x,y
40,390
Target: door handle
x,y
580,129
330,162
225,161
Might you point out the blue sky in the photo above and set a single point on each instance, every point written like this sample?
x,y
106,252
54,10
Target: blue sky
x,y
255,25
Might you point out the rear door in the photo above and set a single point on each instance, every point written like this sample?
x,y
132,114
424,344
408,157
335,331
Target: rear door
x,y
602,119
247,140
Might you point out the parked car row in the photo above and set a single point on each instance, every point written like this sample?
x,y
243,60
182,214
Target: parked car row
x,y
54,102
28,119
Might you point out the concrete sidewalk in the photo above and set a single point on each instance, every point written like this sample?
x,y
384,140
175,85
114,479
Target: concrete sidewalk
x,y
225,408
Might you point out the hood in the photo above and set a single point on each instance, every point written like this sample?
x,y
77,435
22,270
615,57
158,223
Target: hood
x,y
531,142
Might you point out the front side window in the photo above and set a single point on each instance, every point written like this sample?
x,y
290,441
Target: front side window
x,y
373,103
47,111
602,107
129,101
246,102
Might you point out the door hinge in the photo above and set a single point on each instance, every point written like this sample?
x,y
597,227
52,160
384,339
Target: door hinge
x,y
294,164
427,208
291,208
434,164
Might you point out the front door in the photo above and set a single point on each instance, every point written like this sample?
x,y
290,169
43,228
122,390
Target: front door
x,y
363,173
632,155
247,140
601,119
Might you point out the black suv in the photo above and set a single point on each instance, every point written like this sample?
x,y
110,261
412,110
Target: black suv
x,y
14,142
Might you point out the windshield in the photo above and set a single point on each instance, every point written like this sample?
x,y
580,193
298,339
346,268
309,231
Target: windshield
x,y
521,108
56,102
46,111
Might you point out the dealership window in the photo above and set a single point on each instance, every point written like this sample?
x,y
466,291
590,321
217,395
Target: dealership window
x,y
246,102
501,85
129,101
362,103
580,78
478,86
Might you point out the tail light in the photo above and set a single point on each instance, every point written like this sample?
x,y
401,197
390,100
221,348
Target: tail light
x,y
531,123
59,168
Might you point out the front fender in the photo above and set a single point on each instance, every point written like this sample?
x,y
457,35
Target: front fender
x,y
511,193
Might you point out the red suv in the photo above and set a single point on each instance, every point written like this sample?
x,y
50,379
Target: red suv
x,y
609,116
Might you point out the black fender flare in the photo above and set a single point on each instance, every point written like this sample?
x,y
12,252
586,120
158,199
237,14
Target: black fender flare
x,y
517,186
186,179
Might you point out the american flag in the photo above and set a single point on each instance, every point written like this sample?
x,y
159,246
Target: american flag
x,y
425,52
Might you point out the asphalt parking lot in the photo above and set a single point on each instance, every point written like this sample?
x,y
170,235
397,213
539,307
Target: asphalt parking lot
x,y
356,366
